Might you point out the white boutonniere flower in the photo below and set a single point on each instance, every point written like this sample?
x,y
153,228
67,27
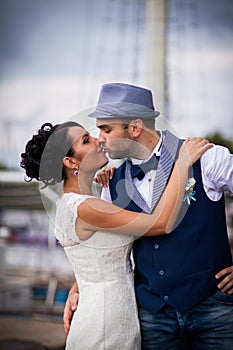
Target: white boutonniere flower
x,y
189,190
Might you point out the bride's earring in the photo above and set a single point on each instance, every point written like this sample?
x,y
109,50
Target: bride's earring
x,y
76,172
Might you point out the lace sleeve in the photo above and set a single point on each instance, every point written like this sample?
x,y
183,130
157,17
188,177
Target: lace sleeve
x,y
66,215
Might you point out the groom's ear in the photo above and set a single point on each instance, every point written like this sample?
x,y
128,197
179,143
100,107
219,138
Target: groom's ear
x,y
135,128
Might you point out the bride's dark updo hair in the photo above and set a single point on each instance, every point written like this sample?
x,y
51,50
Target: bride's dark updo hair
x,y
44,153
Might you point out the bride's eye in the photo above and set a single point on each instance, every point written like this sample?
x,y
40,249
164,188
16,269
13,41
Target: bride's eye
x,y
86,139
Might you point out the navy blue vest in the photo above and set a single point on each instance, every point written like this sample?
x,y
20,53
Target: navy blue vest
x,y
179,268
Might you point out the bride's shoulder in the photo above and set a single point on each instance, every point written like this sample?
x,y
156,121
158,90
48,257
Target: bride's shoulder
x,y
65,218
72,198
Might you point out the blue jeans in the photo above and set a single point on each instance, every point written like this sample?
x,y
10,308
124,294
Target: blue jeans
x,y
205,326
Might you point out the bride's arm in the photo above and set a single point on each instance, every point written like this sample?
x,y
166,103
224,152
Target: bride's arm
x,y
96,214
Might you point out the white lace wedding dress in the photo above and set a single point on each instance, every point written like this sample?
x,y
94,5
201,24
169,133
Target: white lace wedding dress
x,y
106,317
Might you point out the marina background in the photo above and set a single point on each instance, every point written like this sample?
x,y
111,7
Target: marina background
x,y
54,56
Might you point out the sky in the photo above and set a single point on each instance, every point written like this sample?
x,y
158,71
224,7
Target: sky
x,y
200,66
55,55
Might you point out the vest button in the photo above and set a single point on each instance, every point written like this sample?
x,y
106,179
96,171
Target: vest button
x,y
166,297
156,246
161,272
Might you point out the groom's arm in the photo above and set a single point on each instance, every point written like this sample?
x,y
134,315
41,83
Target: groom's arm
x,y
70,306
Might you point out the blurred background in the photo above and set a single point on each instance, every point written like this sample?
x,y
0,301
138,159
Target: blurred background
x,y
54,57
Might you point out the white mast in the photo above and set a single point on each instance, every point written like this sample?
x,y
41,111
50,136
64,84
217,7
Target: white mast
x,y
156,51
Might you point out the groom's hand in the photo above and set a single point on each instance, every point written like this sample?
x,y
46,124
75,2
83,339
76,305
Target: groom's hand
x,y
105,175
226,285
70,307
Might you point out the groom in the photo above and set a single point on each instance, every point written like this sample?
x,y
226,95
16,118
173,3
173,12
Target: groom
x,y
181,302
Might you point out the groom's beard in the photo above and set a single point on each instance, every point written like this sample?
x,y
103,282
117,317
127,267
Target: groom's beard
x,y
126,148
119,148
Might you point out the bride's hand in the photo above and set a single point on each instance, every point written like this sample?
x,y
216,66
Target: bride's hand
x,y
192,149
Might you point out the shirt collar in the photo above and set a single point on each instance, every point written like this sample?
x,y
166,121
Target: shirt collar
x,y
156,151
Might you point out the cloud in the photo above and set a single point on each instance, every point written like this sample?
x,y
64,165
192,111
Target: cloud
x,y
25,104
56,54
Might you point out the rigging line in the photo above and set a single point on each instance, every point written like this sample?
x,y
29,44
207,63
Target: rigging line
x,y
130,39
186,51
102,47
198,46
136,45
172,49
86,47
141,49
121,36
105,46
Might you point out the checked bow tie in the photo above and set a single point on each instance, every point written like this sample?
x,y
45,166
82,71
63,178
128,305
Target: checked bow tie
x,y
139,171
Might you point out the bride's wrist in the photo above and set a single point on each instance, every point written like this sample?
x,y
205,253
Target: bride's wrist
x,y
183,164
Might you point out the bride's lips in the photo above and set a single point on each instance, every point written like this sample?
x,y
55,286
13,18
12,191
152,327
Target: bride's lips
x,y
101,149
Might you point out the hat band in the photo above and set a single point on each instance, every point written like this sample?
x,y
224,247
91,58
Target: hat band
x,y
123,109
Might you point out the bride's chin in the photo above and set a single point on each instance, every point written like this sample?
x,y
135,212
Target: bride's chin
x,y
104,163
100,164
104,160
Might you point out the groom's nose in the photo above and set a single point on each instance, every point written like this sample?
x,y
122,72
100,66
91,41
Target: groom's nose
x,y
101,137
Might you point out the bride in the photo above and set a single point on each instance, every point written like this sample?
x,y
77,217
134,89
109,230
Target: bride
x,y
94,233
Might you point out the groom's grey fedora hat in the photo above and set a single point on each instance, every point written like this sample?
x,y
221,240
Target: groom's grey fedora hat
x,y
124,100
